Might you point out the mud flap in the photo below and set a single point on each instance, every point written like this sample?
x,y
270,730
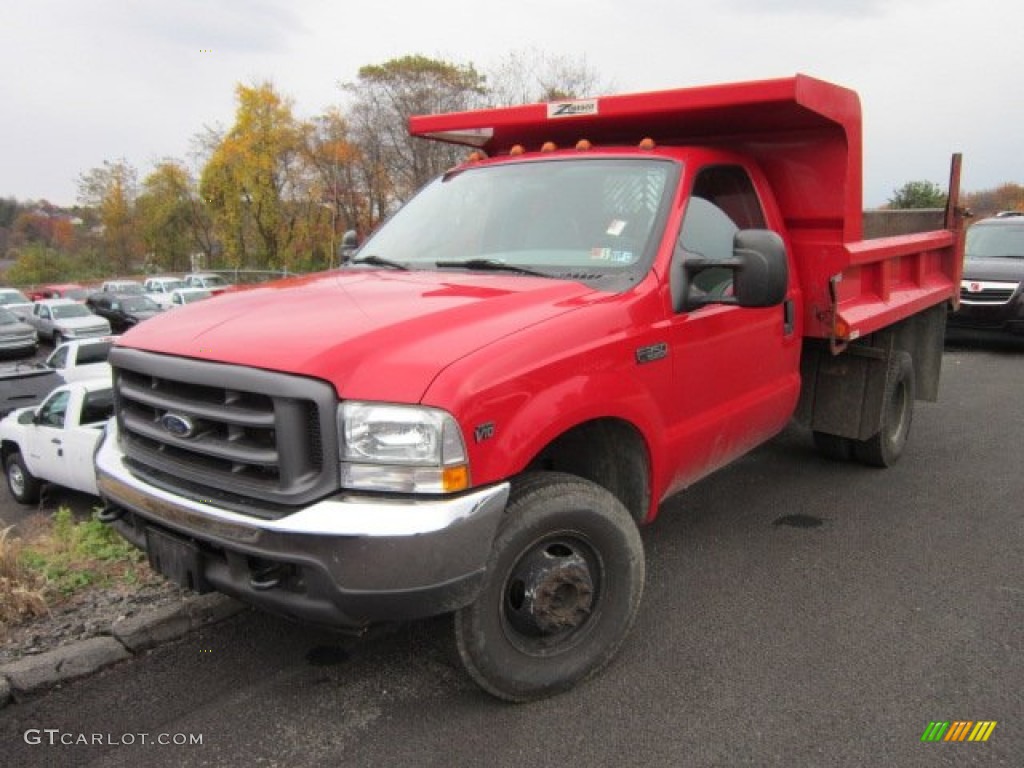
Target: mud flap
x,y
177,559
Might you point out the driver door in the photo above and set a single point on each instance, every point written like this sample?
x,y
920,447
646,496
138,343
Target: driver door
x,y
46,454
736,368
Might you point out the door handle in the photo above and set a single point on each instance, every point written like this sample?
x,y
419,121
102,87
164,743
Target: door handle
x,y
788,317
55,441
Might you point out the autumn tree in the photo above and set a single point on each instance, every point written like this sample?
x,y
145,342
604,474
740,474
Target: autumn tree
x,y
342,189
257,183
918,194
1005,197
173,222
112,190
385,96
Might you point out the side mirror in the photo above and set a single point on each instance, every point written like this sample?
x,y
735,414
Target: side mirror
x,y
763,275
28,417
349,246
757,274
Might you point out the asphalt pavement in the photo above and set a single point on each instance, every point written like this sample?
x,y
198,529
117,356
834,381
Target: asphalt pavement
x,y
798,612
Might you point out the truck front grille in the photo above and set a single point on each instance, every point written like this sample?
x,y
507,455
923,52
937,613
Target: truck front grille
x,y
975,292
255,441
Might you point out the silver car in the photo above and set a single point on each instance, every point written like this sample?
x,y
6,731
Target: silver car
x,y
60,319
15,334
16,301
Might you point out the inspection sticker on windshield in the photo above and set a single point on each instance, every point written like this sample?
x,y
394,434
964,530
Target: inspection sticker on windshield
x,y
616,227
607,254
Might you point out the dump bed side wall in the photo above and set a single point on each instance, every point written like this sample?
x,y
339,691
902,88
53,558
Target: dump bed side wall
x,y
858,288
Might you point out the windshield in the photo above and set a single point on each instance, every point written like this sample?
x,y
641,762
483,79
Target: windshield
x,y
139,304
579,219
187,297
7,317
66,311
13,297
93,353
212,281
167,286
995,242
126,287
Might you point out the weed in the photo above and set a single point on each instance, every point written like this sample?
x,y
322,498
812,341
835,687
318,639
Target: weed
x,y
60,557
21,588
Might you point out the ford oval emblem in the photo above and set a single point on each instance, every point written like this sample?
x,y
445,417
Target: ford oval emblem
x,y
179,426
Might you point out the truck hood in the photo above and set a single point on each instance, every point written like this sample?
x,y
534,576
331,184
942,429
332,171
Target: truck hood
x,y
994,269
381,335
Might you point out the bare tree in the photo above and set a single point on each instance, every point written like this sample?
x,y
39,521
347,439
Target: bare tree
x,y
384,97
529,75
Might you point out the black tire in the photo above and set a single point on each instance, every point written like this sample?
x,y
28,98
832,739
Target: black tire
x,y
885,448
23,485
833,447
563,586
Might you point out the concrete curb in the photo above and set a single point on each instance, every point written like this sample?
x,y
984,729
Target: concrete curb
x,y
127,637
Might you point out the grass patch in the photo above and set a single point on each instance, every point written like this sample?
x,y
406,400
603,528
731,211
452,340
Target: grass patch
x,y
58,557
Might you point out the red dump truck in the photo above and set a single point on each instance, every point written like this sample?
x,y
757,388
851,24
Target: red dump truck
x,y
607,301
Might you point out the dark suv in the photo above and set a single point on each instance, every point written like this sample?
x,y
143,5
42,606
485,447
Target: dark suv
x,y
122,310
992,288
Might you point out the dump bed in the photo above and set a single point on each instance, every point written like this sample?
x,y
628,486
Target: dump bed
x,y
806,136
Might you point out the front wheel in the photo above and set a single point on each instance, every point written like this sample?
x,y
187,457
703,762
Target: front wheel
x,y
24,486
885,448
563,585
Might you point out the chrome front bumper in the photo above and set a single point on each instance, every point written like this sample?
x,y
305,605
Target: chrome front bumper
x,y
347,560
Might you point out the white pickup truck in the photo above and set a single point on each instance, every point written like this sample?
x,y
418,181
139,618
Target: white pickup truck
x,y
55,442
81,359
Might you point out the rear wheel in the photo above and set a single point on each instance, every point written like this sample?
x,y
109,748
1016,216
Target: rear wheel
x,y
885,448
562,589
24,486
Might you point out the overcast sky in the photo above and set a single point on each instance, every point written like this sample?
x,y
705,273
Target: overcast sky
x,y
84,81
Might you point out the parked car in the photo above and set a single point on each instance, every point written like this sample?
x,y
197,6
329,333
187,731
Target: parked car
x,y
122,286
59,319
81,359
55,442
122,311
16,301
211,282
159,289
15,334
60,291
183,296
992,288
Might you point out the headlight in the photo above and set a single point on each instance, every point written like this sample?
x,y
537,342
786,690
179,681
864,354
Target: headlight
x,y
401,448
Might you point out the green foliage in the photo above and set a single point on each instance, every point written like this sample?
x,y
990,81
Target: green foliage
x,y
78,554
918,194
168,212
37,263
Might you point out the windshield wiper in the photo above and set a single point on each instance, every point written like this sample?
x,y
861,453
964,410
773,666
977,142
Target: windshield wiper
x,y
380,261
494,265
